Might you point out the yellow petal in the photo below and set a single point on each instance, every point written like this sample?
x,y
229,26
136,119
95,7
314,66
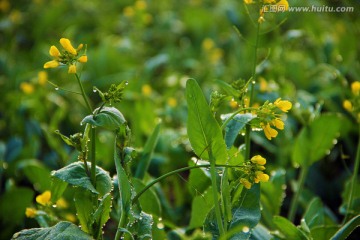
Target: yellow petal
x,y
51,64
347,105
27,88
283,105
42,77
83,59
278,123
355,88
72,69
30,212
44,198
258,160
245,182
67,46
54,52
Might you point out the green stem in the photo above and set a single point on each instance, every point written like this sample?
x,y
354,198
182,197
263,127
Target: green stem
x,y
353,181
83,93
93,157
215,195
252,86
295,200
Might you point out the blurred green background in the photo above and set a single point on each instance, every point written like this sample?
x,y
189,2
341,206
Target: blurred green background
x,y
156,45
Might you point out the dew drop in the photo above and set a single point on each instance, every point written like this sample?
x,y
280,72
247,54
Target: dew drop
x,y
56,89
245,229
328,152
81,124
253,82
126,83
54,206
335,141
94,90
160,225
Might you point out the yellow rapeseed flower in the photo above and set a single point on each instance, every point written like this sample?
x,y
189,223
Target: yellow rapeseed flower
x,y
42,77
44,198
283,105
140,5
129,11
146,90
207,44
282,6
83,59
278,123
51,64
257,159
269,132
172,102
72,69
54,52
67,46
260,176
248,1
30,212
348,105
27,88
245,182
233,103
355,88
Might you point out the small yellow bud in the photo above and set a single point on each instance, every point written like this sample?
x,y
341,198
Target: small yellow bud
x,y
30,212
42,77
245,182
283,105
44,198
61,203
54,52
172,102
207,44
72,69
269,132
355,88
261,168
80,47
348,105
233,104
83,59
257,159
51,64
67,46
27,88
70,217
278,123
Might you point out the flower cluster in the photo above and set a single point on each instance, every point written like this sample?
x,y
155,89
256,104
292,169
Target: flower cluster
x,y
352,105
253,172
69,56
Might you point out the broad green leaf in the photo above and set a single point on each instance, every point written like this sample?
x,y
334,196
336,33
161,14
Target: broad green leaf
x,y
316,140
75,175
287,228
101,215
84,209
145,226
347,229
324,232
355,206
199,180
200,207
314,215
61,231
38,174
246,212
147,153
234,126
57,188
225,195
204,132
108,117
260,233
149,201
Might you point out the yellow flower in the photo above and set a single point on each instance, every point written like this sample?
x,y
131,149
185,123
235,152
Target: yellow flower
x,y
207,44
216,54
278,123
269,132
4,6
172,102
257,159
129,11
51,64
83,59
248,1
355,88
282,6
140,5
263,84
30,212
54,52
44,198
269,1
42,77
70,217
347,105
283,105
233,103
245,182
27,88
61,203
260,176
146,90
72,69
67,46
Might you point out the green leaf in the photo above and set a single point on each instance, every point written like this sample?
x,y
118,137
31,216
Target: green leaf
x,y
75,175
84,209
101,215
246,212
61,231
57,188
234,126
38,174
347,229
260,233
145,226
228,89
316,140
314,215
149,201
199,180
108,117
147,153
204,132
287,228
200,207
324,232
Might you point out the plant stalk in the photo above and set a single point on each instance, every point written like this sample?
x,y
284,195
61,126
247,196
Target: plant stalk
x,y
295,200
215,195
93,157
83,93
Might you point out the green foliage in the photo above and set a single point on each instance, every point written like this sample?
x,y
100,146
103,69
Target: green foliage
x,y
204,132
288,229
149,201
61,231
106,117
38,174
234,126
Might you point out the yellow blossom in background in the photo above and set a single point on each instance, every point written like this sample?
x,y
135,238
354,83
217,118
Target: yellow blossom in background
x,y
348,105
4,5
51,64
278,123
70,217
66,44
207,44
61,203
44,198
258,160
172,102
355,88
146,90
42,77
140,5
15,16
245,182
282,6
263,85
248,1
233,104
27,88
269,132
216,55
54,52
83,59
129,11
72,69
30,212
283,105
